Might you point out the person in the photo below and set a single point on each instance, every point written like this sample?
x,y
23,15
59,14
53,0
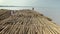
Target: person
x,y
12,12
32,8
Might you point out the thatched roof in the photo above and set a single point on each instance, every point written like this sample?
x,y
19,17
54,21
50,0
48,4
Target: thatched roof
x,y
28,22
4,14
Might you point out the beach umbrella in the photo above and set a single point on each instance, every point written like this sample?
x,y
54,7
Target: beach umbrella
x,y
28,22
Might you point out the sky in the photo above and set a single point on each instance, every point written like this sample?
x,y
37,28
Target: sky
x,y
50,8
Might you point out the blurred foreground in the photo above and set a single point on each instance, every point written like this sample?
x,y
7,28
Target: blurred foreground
x,y
26,22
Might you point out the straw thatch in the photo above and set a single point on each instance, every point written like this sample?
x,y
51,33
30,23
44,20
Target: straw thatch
x,y
4,14
28,22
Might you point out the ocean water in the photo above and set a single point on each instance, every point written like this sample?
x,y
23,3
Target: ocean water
x,y
14,8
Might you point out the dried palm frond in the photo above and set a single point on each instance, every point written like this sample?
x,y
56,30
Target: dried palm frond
x,y
28,22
